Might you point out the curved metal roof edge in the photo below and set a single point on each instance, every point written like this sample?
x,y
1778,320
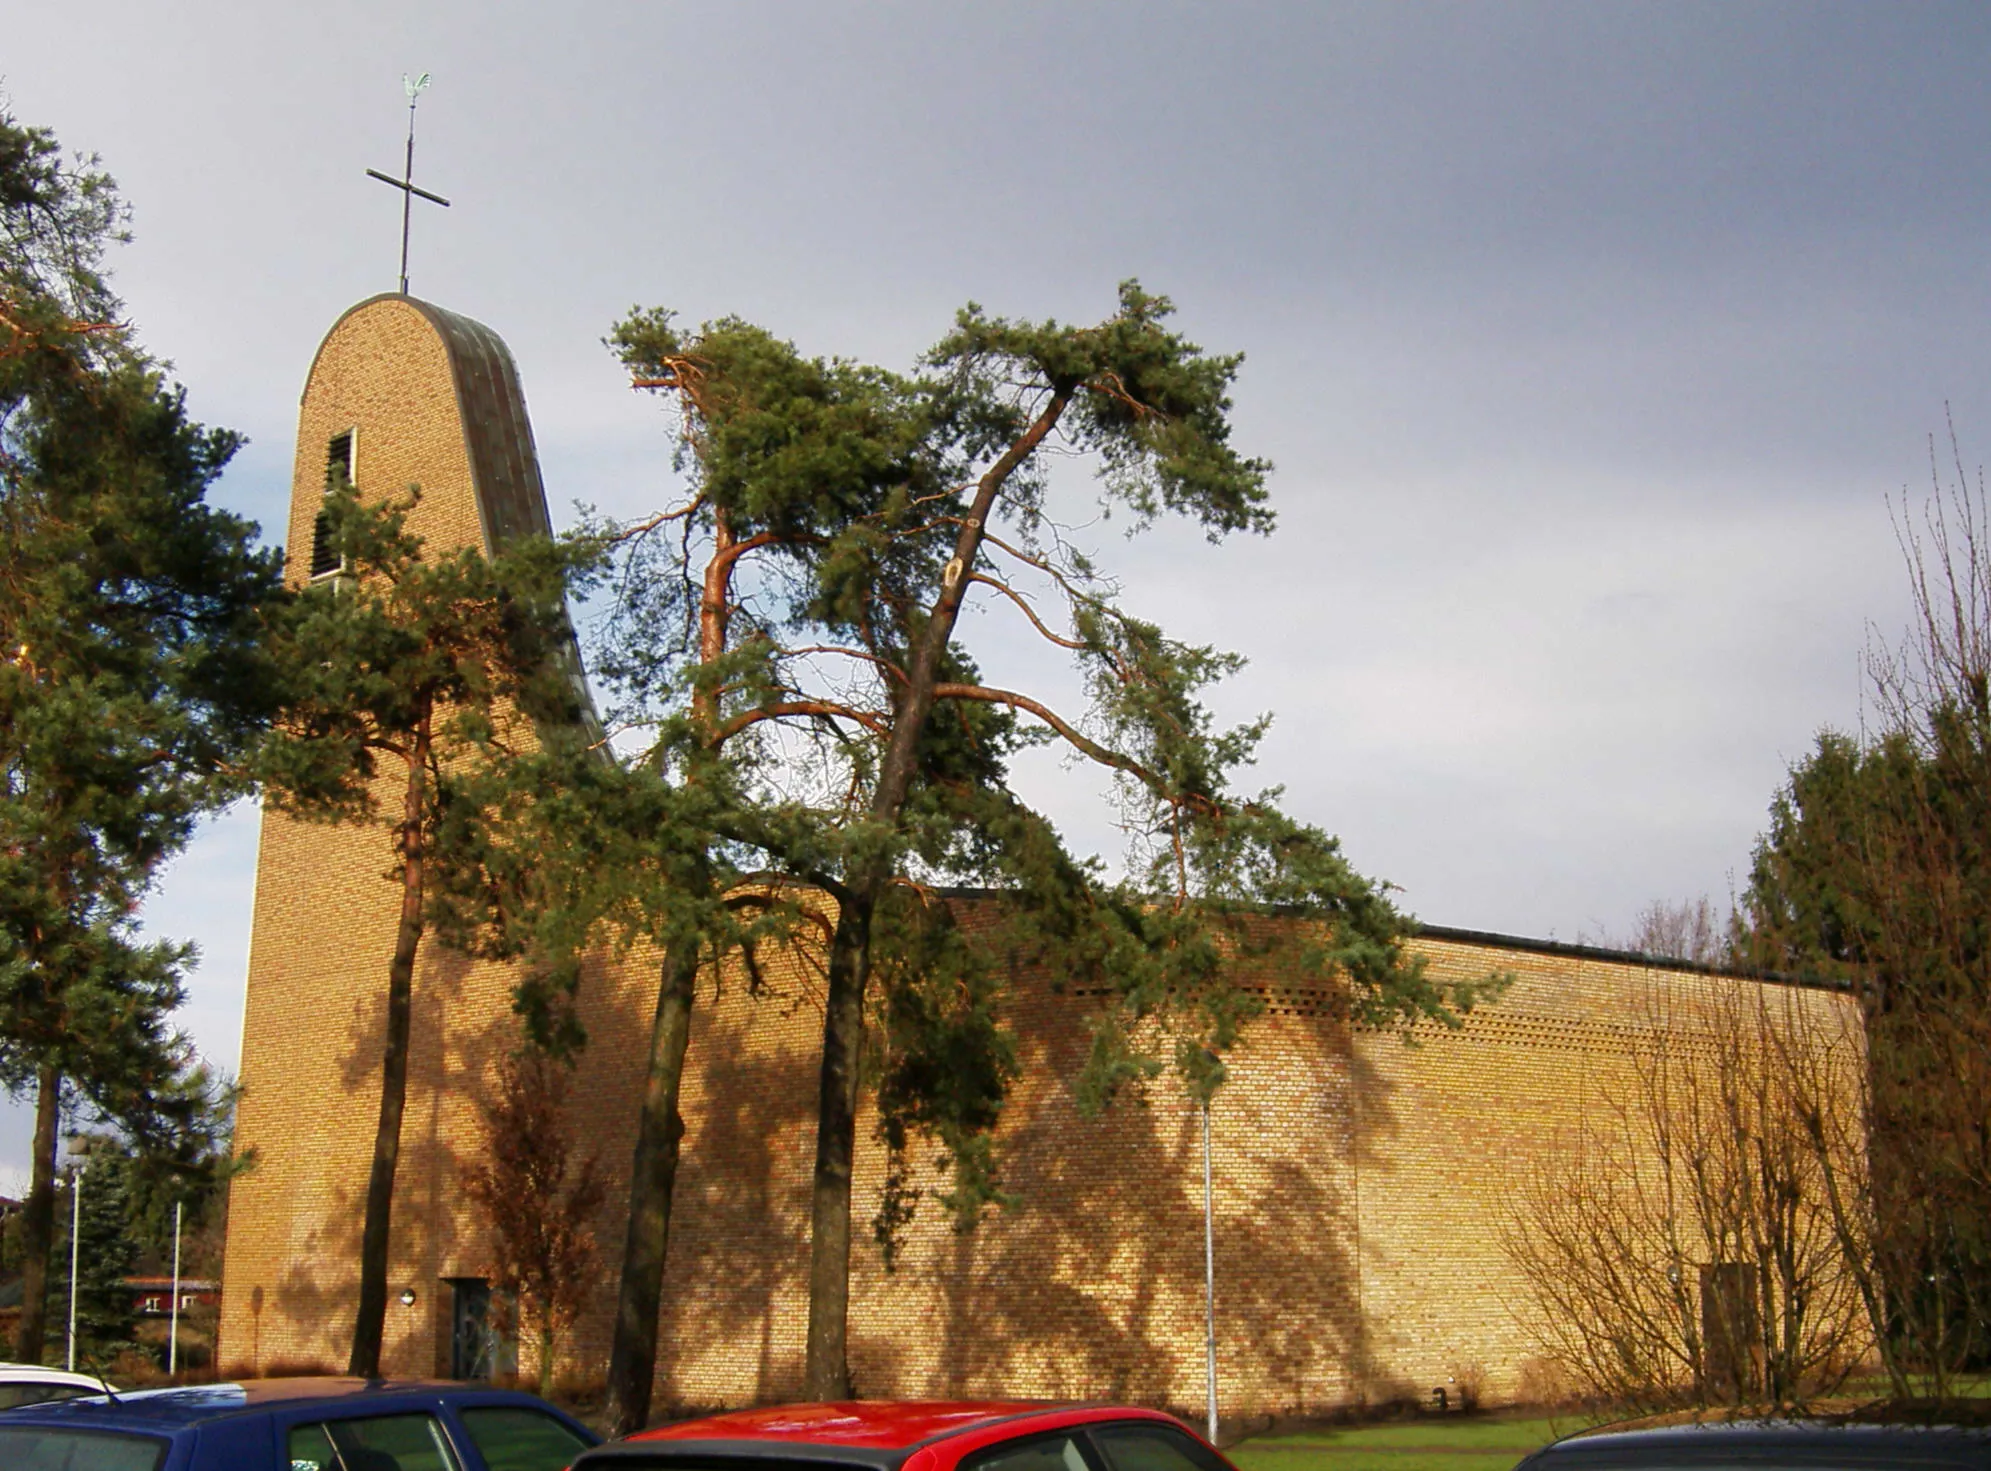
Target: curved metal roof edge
x,y
505,480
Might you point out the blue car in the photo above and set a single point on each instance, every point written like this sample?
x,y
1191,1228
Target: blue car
x,y
296,1425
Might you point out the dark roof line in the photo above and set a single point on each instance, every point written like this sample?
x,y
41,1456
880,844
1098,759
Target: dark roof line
x,y
1496,940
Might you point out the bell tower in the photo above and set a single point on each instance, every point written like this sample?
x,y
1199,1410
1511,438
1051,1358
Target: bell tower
x,y
401,393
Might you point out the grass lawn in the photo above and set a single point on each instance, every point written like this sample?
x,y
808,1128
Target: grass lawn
x,y
1457,1442
1427,1443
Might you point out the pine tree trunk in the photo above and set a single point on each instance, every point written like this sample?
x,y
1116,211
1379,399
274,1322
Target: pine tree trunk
x,y
826,1369
371,1321
546,1355
632,1360
38,1220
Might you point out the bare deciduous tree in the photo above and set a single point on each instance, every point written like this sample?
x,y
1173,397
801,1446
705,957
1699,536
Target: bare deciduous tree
x,y
1692,930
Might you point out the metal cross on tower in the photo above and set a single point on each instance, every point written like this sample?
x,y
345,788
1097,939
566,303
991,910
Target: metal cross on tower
x,y
414,87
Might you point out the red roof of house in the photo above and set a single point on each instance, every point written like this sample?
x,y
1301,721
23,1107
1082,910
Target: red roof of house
x,y
187,1284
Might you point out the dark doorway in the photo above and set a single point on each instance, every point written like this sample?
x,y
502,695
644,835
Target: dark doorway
x,y
477,1347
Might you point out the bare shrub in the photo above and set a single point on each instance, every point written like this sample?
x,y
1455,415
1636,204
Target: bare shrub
x,y
539,1200
1686,1248
1545,1384
1468,1382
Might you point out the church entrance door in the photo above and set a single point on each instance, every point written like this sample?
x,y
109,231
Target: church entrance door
x,y
477,1350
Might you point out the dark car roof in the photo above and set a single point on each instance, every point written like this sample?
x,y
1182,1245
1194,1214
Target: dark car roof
x,y
171,1409
1785,1441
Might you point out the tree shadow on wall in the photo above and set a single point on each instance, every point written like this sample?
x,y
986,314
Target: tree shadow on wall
x,y
739,1223
1091,1285
318,1293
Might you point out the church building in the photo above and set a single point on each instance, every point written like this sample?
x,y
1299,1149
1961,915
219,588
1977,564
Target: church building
x,y
1361,1186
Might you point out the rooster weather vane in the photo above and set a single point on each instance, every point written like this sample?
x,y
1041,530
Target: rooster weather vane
x,y
414,87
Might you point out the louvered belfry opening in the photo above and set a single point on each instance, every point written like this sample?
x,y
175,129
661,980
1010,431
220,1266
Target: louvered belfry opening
x,y
325,558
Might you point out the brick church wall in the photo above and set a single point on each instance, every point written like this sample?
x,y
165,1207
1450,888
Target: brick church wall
x,y
1361,1185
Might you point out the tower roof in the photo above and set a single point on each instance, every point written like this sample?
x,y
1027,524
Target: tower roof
x,y
504,465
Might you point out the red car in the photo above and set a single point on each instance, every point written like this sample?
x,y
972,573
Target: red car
x,y
882,1436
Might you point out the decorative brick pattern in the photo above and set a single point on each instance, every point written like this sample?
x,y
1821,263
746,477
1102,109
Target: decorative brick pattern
x,y
1362,1183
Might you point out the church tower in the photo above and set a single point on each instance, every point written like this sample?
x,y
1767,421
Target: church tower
x,y
401,393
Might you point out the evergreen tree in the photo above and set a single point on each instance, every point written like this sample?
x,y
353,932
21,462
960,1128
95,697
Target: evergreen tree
x,y
130,674
1876,873
107,1252
404,681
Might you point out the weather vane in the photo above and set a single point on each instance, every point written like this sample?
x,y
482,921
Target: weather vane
x,y
414,87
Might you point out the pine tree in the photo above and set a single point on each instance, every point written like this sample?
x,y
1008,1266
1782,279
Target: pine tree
x,y
799,612
130,674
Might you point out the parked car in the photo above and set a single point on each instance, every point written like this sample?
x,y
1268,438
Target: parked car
x,y
296,1425
31,1384
916,1437
1908,1443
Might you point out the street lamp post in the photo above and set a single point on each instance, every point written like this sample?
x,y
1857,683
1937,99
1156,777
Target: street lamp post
x,y
75,1241
1209,1277
173,1330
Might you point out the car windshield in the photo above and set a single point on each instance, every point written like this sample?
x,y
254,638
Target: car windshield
x,y
35,1448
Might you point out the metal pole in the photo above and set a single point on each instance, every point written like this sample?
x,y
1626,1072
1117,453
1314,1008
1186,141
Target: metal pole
x,y
173,1332
1209,1277
407,195
75,1240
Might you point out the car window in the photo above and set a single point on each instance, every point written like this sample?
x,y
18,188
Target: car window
x,y
1057,1452
1150,1446
12,1395
372,1443
33,1449
311,1449
515,1438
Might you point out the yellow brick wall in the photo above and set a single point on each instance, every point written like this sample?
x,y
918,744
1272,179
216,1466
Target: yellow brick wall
x,y
1361,1184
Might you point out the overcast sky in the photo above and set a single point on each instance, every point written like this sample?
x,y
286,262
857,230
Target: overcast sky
x,y
1588,340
